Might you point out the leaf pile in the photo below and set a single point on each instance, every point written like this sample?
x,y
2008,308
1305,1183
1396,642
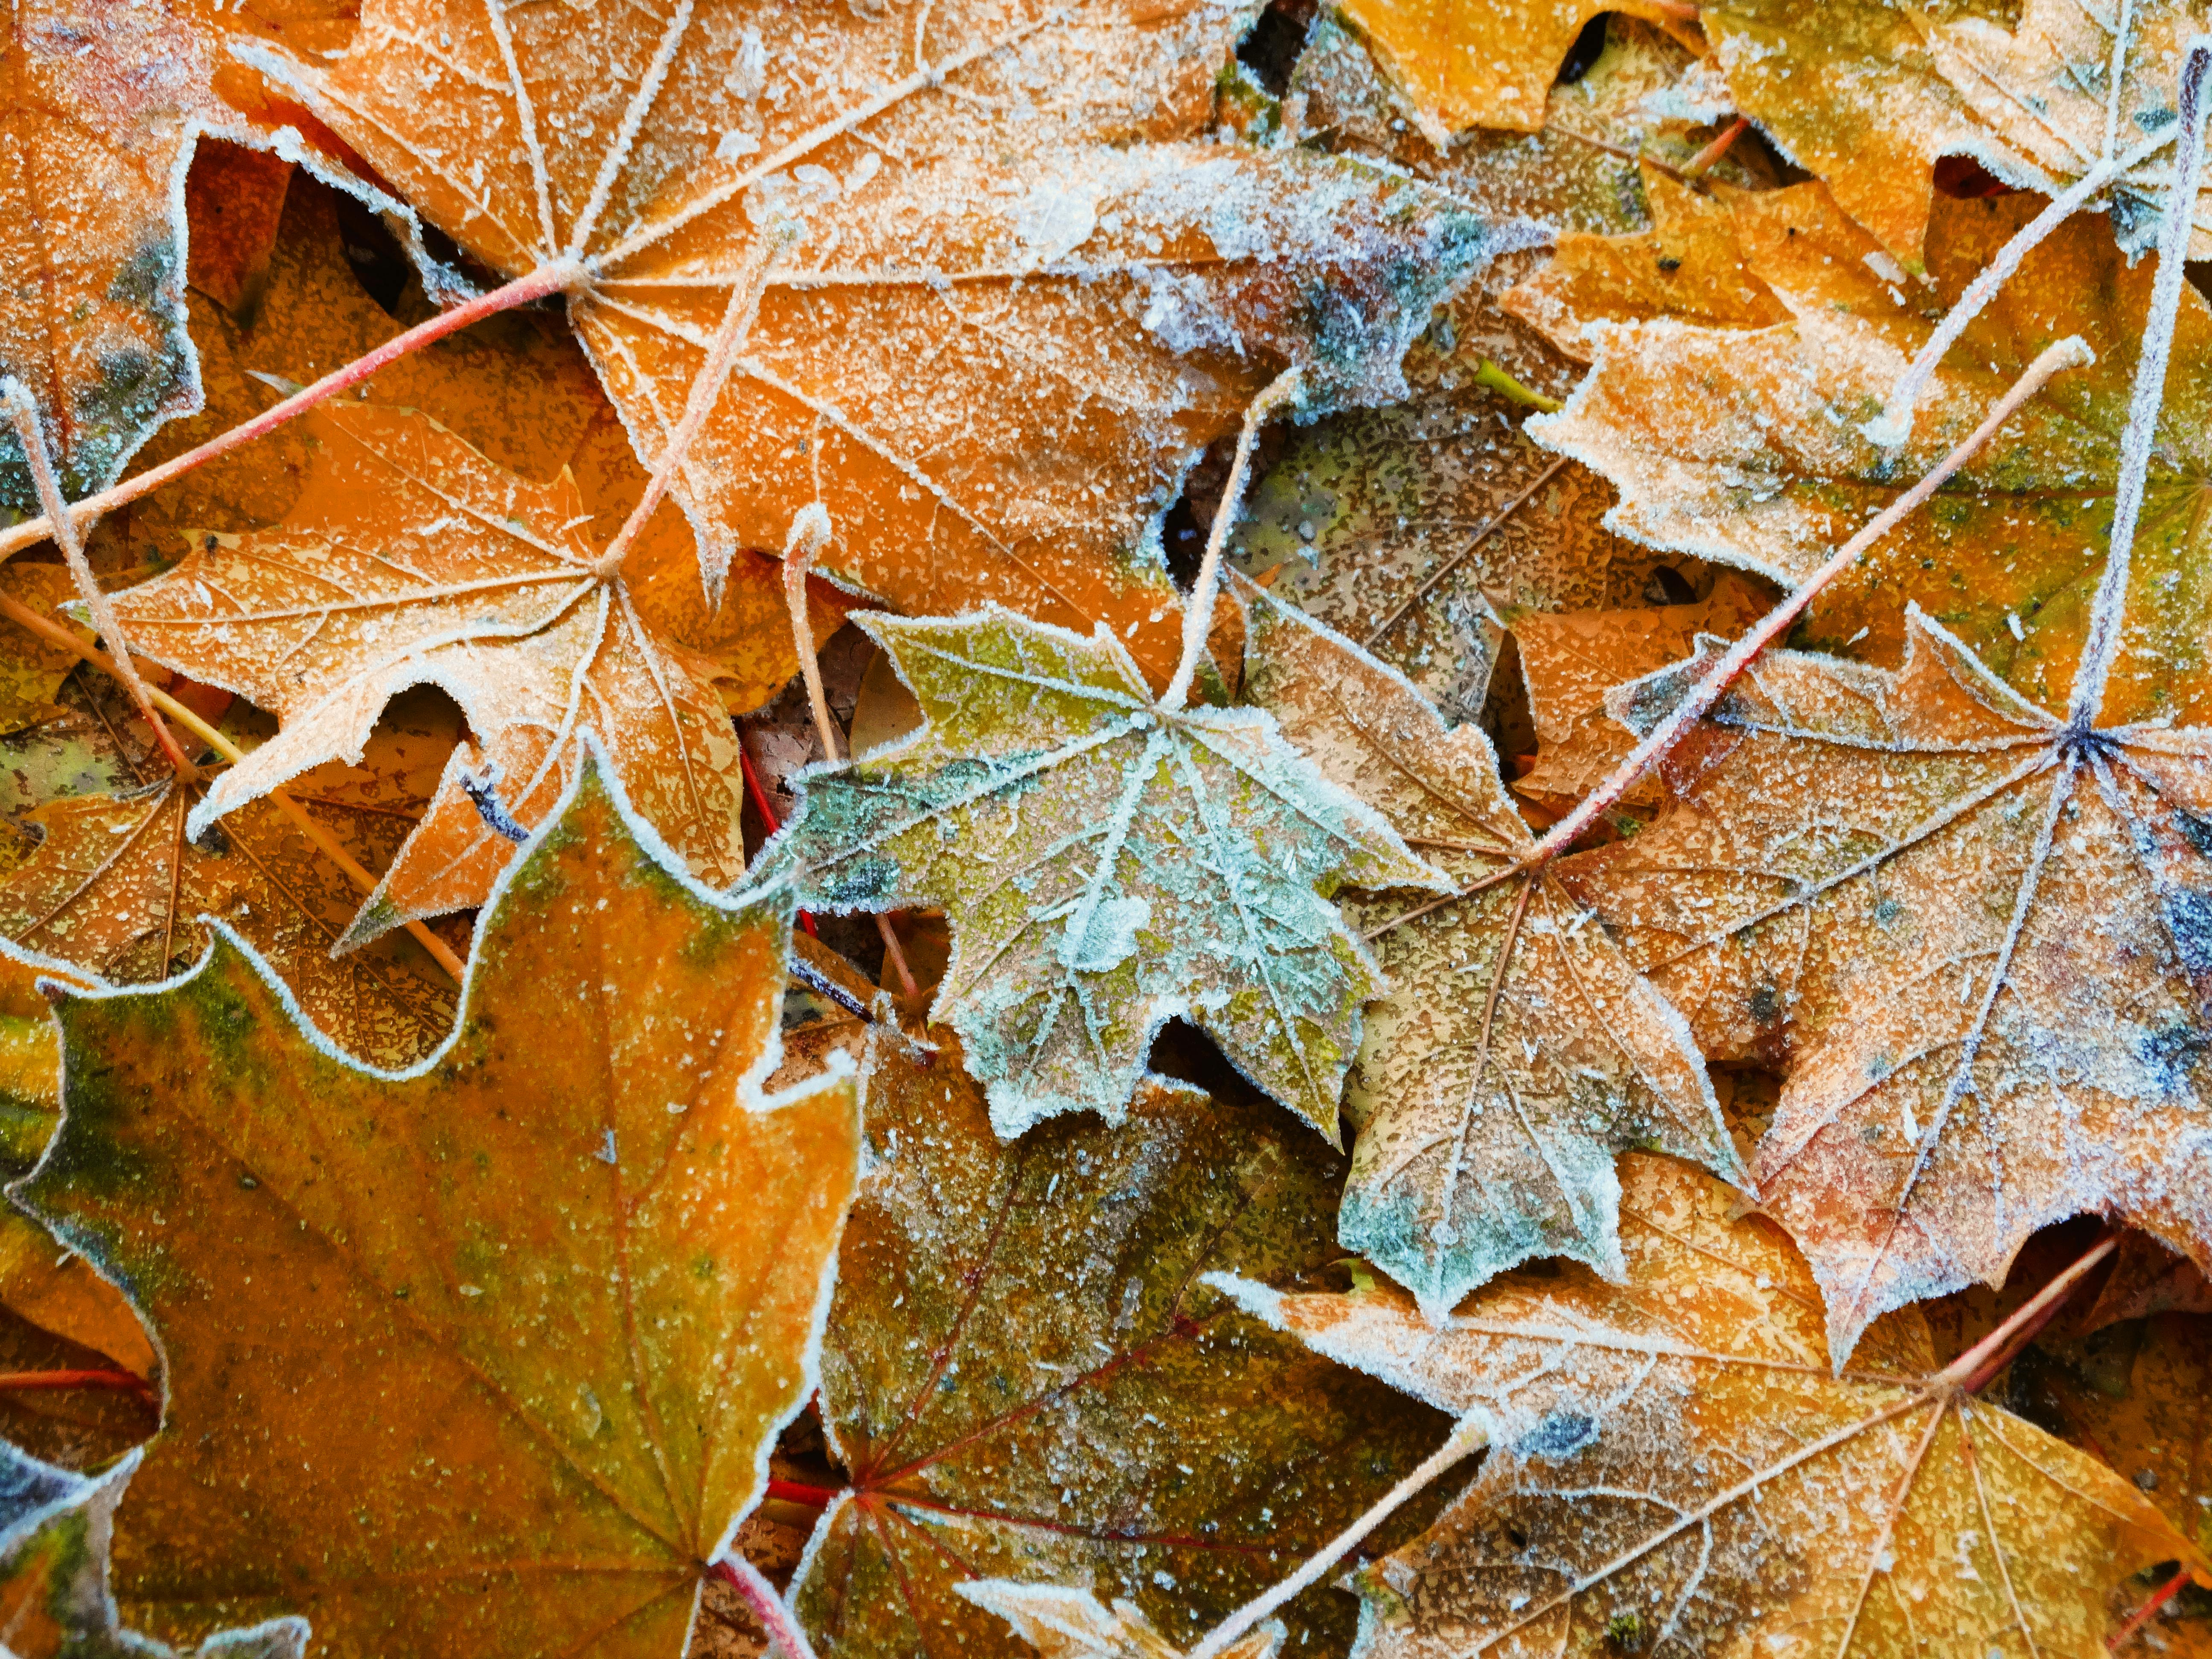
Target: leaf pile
x,y
893,831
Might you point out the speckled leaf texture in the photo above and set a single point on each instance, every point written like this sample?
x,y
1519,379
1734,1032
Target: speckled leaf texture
x,y
1675,1470
1773,472
1025,1377
1024,301
55,1532
1517,1050
410,559
1976,937
1106,867
1869,96
485,1356
1061,1622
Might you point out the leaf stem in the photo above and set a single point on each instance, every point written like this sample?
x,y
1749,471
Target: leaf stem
x,y
729,339
30,1382
1198,612
40,461
326,843
775,1617
1894,425
766,809
799,1491
2066,354
551,278
1973,1369
1696,165
1470,1434
2148,1611
2149,399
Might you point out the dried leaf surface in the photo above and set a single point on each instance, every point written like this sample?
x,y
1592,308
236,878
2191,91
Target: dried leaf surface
x,y
1870,97
410,559
1065,1623
1516,1050
1974,935
1675,1468
1572,660
1105,866
1490,65
1744,446
1025,1379
1001,192
119,887
561,1286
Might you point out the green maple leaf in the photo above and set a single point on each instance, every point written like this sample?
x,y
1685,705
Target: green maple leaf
x,y
1107,864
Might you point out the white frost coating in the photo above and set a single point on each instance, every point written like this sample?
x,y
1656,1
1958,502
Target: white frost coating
x,y
1053,220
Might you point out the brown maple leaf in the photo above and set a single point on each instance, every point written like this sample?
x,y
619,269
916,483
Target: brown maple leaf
x,y
1745,445
1975,934
1517,1050
1026,301
1675,1468
410,559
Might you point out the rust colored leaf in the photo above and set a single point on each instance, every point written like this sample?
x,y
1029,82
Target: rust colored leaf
x,y
1024,301
1870,97
120,886
411,559
1025,1379
484,1357
1744,446
1570,660
1516,1050
1674,1468
1974,935
1487,65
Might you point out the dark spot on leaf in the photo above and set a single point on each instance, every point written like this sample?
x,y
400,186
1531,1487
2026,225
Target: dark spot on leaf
x,y
1558,1436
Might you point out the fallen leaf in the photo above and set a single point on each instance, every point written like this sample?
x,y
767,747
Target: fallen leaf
x,y
1870,98
1106,867
560,1284
32,670
1490,65
1024,1378
1571,659
410,559
55,1530
1674,1467
1066,1623
101,105
120,887
1026,301
1579,172
1516,1050
1744,446
1971,933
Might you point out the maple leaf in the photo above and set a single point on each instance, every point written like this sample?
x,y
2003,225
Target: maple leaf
x,y
410,559
1772,471
1674,1467
1025,1379
1872,98
119,886
1065,1623
1973,932
55,1529
32,670
1107,864
1517,1050
561,1284
1578,173
1005,195
1570,660
1490,66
